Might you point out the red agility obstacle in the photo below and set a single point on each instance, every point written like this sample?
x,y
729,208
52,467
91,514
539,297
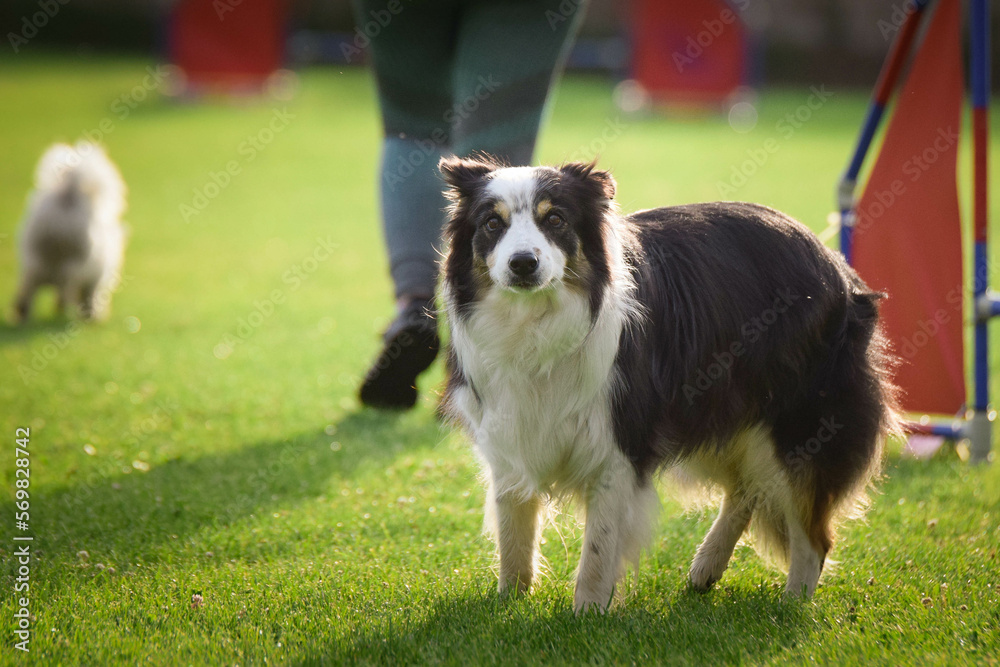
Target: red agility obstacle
x,y
904,233
229,46
690,53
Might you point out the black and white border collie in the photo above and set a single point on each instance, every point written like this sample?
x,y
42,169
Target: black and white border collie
x,y
589,350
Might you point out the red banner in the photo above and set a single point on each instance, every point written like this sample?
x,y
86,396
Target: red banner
x,y
908,238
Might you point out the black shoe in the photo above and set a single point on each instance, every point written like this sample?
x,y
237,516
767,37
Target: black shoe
x,y
411,343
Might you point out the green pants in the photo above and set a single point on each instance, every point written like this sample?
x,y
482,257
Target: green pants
x,y
454,77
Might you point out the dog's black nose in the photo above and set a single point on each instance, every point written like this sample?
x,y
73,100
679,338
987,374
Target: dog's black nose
x,y
523,263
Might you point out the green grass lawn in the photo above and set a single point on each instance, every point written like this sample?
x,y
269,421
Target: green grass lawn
x,y
167,462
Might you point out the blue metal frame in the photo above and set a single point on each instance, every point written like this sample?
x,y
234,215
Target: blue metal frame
x,y
977,427
979,37
873,118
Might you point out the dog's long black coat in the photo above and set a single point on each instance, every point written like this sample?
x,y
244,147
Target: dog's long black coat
x,y
748,318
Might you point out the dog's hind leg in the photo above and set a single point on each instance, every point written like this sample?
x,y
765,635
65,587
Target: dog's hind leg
x,y
91,302
831,441
805,561
69,296
517,527
25,296
713,555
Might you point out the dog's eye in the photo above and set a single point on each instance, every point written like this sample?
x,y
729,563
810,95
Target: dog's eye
x,y
492,223
555,220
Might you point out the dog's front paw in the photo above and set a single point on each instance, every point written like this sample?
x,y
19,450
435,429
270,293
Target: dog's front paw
x,y
588,601
512,587
701,577
798,590
706,569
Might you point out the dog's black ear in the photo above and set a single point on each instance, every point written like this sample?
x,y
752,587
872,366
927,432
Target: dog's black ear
x,y
464,175
587,172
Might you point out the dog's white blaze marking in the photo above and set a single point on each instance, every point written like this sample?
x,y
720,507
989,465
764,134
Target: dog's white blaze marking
x,y
516,189
524,236
508,183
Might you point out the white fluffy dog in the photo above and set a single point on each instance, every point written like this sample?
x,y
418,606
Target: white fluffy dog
x,y
72,236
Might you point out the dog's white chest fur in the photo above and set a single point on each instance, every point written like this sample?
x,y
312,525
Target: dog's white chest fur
x,y
539,400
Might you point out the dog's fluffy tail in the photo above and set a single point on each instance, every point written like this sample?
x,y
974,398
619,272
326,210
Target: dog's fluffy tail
x,y
82,170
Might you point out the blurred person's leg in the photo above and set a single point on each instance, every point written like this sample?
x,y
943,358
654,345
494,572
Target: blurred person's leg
x,y
412,56
509,54
456,77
